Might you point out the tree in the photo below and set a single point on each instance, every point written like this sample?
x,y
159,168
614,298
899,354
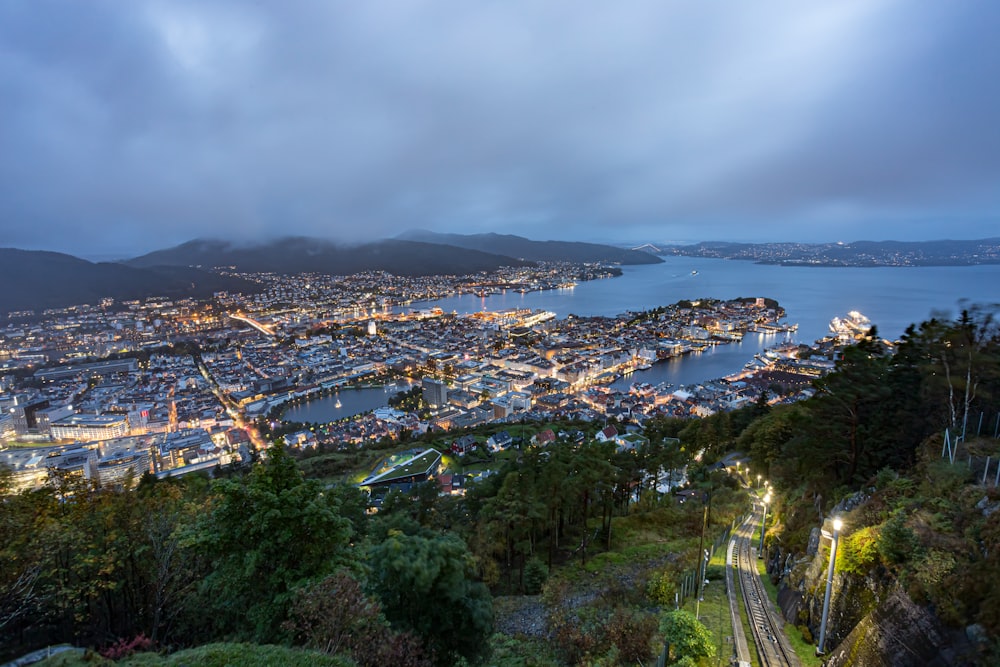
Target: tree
x,y
685,637
845,414
896,542
963,362
512,515
765,437
267,535
335,616
426,585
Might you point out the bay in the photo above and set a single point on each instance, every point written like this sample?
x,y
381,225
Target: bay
x,y
891,297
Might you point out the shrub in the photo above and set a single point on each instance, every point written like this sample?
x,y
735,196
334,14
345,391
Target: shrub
x,y
632,633
933,567
896,541
859,551
571,639
535,574
126,647
661,588
335,616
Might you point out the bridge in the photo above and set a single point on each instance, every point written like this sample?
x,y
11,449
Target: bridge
x,y
263,328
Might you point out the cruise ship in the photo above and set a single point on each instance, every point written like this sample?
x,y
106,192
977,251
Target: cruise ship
x,y
854,325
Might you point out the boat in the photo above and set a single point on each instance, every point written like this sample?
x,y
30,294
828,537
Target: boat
x,y
337,404
694,273
854,325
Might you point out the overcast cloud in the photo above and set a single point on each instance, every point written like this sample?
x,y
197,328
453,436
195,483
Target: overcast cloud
x,y
131,126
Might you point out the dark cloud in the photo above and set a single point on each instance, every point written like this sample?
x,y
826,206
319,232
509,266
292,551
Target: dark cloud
x,y
130,126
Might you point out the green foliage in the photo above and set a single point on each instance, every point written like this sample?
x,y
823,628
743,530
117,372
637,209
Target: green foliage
x,y
611,628
266,535
685,637
944,479
535,574
631,632
411,400
858,553
508,651
83,564
896,541
933,566
764,438
334,616
662,586
427,585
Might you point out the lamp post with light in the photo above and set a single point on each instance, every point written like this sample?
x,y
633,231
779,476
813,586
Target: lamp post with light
x,y
763,526
837,525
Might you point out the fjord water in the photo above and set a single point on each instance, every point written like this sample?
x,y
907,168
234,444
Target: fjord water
x,y
891,297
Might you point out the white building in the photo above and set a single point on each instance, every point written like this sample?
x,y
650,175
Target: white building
x,y
88,428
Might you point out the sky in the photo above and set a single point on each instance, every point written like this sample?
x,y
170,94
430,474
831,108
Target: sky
x,y
127,127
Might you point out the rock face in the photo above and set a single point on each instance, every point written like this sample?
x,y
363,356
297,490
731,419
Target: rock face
x,y
872,621
899,633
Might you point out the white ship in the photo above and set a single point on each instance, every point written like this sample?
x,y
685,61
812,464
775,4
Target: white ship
x,y
852,326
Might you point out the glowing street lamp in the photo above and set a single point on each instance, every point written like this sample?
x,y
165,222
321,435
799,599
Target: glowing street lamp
x,y
763,526
837,525
758,481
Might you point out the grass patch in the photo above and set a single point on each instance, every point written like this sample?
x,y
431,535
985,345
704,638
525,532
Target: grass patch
x,y
639,553
803,649
713,610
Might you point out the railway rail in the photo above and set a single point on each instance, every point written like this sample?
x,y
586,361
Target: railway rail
x,y
772,646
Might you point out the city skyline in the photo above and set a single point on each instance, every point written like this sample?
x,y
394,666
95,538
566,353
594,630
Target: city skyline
x,y
130,128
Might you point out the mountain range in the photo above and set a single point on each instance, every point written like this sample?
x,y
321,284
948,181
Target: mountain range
x,y
308,255
36,280
535,251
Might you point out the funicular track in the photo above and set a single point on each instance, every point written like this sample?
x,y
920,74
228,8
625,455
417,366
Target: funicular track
x,y
772,647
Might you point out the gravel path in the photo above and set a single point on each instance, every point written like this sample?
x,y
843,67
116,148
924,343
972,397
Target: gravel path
x,y
520,615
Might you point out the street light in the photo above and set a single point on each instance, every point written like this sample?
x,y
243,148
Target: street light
x,y
763,526
703,572
758,481
837,525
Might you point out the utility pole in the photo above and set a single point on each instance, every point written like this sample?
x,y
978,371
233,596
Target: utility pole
x,y
763,526
703,561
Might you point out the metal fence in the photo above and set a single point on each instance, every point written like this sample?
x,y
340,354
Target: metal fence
x,y
687,585
985,469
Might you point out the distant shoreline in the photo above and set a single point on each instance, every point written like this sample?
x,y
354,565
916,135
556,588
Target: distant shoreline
x,y
859,254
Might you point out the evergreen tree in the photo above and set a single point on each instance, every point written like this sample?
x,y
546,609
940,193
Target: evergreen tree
x,y
427,585
265,536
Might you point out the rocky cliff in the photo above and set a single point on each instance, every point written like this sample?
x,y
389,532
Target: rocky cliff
x,y
872,620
